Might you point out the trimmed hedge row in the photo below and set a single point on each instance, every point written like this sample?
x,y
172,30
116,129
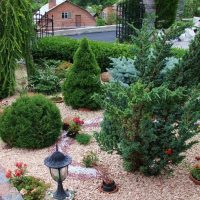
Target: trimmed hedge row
x,y
64,48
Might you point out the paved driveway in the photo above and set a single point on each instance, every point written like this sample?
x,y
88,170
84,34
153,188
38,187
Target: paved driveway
x,y
101,36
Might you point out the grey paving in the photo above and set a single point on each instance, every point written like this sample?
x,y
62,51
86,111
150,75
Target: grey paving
x,y
3,178
101,36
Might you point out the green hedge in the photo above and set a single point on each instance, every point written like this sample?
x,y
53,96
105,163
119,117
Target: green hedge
x,y
64,48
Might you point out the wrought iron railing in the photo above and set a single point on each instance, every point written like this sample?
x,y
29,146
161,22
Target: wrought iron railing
x,y
129,12
44,25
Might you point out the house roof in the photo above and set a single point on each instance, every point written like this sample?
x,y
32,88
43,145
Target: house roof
x,y
45,8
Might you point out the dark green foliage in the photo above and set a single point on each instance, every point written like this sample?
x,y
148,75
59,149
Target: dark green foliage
x,y
187,72
16,33
36,188
151,54
149,128
59,48
196,173
192,107
63,48
165,12
82,79
111,128
31,122
83,138
192,8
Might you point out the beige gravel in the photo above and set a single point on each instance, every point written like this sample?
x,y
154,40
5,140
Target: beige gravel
x,y
131,186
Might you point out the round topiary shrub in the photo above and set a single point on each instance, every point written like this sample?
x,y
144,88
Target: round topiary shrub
x,y
30,122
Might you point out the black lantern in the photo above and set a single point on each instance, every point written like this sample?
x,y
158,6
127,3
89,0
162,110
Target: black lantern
x,y
58,165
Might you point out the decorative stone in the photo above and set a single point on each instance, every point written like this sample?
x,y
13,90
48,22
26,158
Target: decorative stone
x,y
105,77
23,191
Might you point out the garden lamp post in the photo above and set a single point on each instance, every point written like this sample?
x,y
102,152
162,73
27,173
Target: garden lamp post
x,y
58,165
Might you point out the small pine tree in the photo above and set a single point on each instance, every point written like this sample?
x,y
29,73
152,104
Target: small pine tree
x,y
82,79
154,126
151,53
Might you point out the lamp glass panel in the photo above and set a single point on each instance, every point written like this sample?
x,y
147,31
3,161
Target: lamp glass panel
x,y
59,174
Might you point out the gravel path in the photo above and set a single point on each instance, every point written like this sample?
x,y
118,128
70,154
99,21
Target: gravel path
x,y
131,186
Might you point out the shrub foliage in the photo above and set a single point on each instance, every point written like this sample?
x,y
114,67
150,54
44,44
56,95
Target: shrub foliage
x,y
62,48
165,12
149,128
45,81
36,188
83,138
31,122
151,53
187,72
16,36
82,79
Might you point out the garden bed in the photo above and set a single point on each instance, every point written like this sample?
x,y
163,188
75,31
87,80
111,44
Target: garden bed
x,y
131,186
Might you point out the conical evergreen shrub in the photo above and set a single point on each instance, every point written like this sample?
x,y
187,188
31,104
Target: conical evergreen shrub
x,y
82,79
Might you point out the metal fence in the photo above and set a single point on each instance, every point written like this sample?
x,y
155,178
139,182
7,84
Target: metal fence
x,y
129,12
44,25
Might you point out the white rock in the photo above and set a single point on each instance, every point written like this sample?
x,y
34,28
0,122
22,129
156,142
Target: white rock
x,y
188,35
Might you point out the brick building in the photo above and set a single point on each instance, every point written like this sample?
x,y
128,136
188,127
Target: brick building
x,y
109,11
67,15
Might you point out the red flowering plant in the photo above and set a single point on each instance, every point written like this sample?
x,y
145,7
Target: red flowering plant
x,y
29,186
18,174
73,126
169,152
